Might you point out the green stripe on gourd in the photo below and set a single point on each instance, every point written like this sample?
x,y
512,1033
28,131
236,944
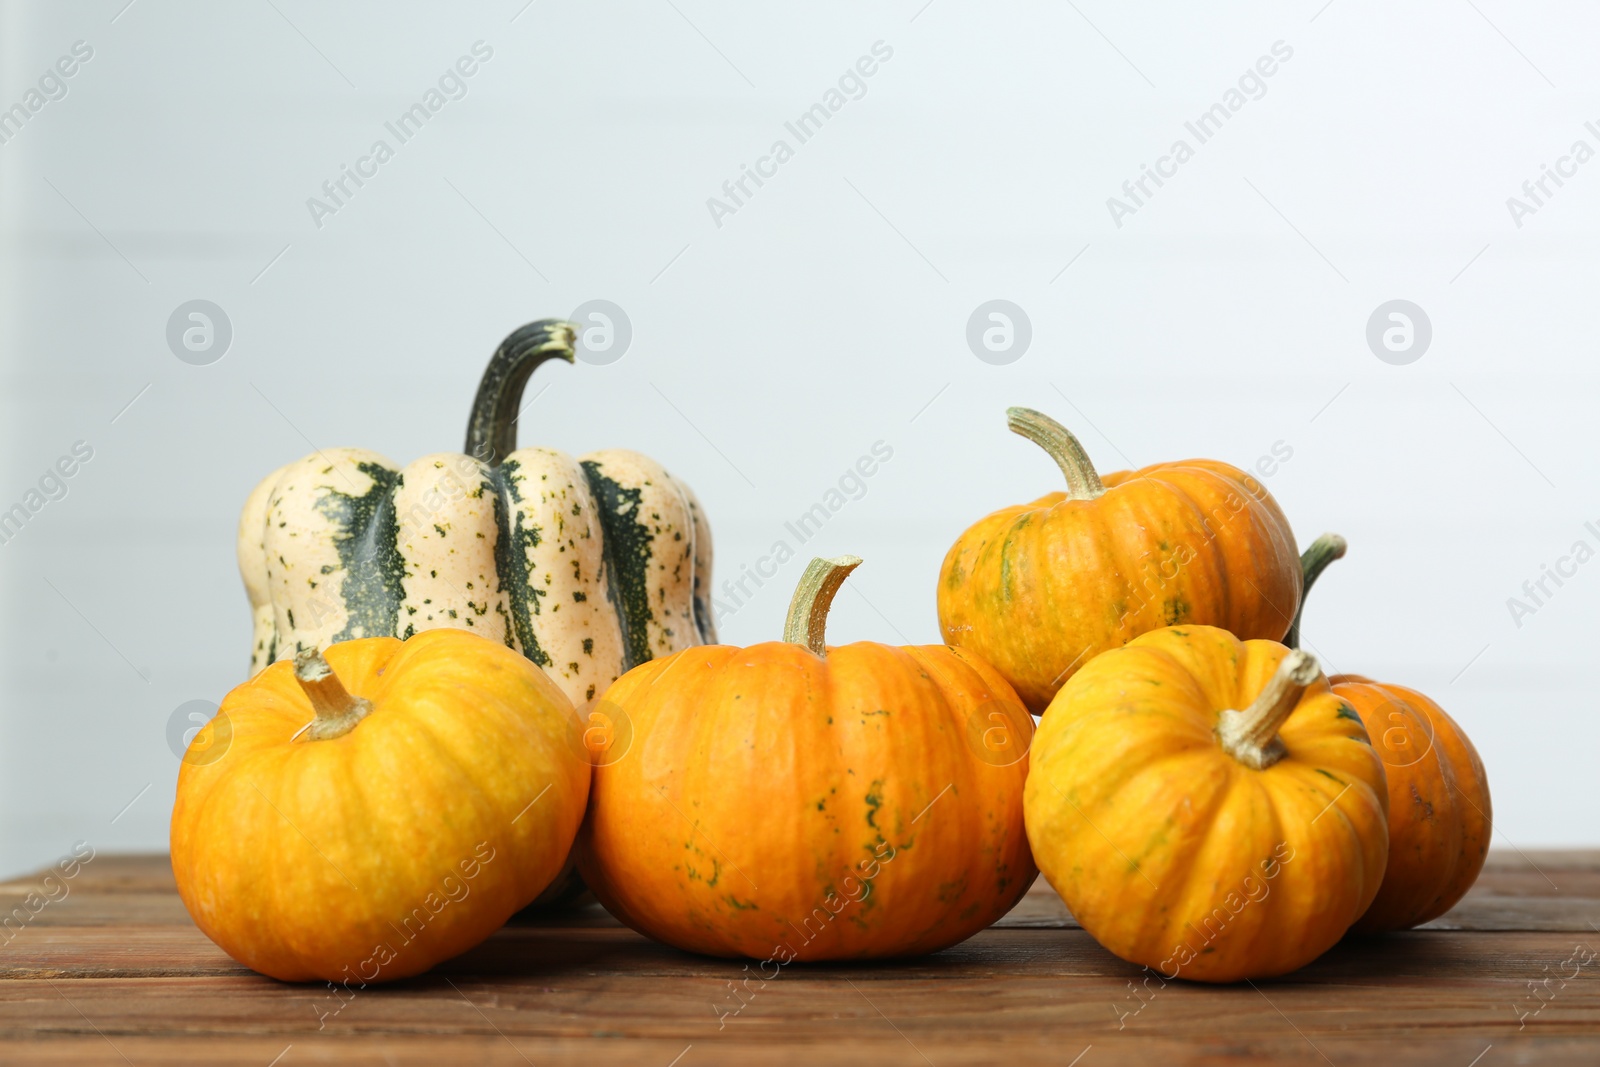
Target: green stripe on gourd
x,y
365,541
511,559
587,565
705,619
627,552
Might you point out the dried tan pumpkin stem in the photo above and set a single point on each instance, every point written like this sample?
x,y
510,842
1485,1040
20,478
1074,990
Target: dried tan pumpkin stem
x,y
337,710
1313,561
1251,736
1083,482
807,623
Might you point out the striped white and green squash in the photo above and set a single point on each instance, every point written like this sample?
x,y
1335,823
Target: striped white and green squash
x,y
588,566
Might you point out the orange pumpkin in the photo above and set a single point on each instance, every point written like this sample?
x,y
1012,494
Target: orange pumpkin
x,y
1440,815
1040,589
1207,806
364,834
792,801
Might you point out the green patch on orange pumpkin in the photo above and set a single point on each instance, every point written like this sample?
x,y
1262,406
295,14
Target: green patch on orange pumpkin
x,y
874,800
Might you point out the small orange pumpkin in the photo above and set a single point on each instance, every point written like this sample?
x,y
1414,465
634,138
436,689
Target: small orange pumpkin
x,y
1040,589
792,801
1440,815
365,834
1205,842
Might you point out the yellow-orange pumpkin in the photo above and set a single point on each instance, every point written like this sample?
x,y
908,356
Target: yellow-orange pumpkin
x,y
364,834
1039,589
791,801
1440,815
1207,806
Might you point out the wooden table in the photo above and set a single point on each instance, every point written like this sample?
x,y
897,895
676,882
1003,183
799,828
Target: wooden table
x,y
115,973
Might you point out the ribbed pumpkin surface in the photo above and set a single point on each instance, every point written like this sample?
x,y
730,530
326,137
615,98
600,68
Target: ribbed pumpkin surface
x,y
1040,589
374,855
1174,854
1440,816
777,805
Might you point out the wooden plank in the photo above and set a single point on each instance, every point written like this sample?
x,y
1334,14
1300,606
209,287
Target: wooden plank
x,y
1041,909
1019,991
1542,891
111,872
577,963
116,973
1488,911
1430,1049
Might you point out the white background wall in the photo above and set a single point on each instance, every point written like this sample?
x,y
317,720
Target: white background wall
x,y
1226,315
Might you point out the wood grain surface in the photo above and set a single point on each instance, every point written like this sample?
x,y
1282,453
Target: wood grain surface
x,y
115,973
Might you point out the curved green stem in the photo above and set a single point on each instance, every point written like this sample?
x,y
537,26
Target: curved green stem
x,y
807,623
492,427
1083,482
1313,561
1251,736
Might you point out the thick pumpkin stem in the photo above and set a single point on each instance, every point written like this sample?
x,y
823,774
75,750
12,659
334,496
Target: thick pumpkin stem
x,y
492,427
1083,482
808,611
1313,561
1251,736
337,710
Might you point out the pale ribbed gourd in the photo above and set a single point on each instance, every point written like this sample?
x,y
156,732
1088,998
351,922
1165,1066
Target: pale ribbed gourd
x,y
587,565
